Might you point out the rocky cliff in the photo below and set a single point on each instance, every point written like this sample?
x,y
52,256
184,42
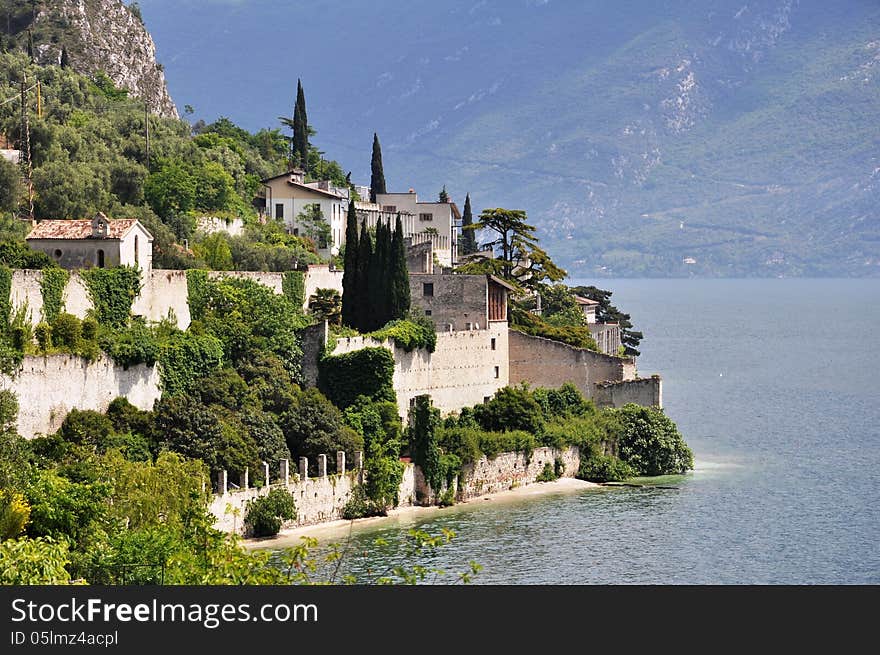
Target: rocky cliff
x,y
96,35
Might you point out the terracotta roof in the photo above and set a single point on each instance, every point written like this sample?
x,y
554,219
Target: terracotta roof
x,y
585,301
79,229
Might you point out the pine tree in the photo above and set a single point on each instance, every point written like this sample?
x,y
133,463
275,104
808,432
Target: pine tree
x,y
377,175
468,236
444,197
350,299
399,295
362,283
301,128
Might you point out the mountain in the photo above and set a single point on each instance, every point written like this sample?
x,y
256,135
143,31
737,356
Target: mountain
x,y
673,137
97,36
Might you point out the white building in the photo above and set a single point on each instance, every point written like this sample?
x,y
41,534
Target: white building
x,y
288,195
96,243
430,221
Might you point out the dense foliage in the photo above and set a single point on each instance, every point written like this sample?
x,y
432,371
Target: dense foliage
x,y
265,514
365,372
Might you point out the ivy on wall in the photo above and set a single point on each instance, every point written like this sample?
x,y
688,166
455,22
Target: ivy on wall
x,y
112,292
366,372
187,357
293,285
197,292
5,300
52,289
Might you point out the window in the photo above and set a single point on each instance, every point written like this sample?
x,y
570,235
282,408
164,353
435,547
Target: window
x,y
136,260
497,372
487,398
389,208
493,343
100,259
427,289
57,254
279,210
426,217
427,312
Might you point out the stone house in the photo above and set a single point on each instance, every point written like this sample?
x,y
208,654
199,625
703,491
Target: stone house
x,y
96,243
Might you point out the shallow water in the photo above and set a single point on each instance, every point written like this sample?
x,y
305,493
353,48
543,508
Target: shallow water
x,y
774,385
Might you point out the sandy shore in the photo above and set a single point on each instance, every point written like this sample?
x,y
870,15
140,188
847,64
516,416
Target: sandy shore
x,y
406,516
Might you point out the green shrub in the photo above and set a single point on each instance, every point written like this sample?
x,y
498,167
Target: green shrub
x,y
67,331
651,443
366,372
43,332
547,474
409,334
359,505
293,286
563,402
595,467
89,329
511,408
265,514
447,499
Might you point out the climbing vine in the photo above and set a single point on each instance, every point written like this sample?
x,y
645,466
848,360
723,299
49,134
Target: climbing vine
x,y
366,372
293,285
424,421
112,292
197,292
52,289
187,357
5,291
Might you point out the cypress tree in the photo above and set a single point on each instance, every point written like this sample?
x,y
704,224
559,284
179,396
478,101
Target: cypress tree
x,y
468,237
350,298
377,174
65,58
378,276
362,283
30,46
399,294
301,128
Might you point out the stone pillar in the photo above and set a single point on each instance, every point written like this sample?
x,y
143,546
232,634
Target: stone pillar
x,y
265,474
359,465
245,484
303,468
285,472
322,466
340,462
222,483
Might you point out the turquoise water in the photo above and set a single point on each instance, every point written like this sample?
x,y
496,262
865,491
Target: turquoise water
x,y
774,385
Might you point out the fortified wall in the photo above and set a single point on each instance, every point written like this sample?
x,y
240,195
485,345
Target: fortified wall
x,y
466,367
318,498
164,292
323,498
610,381
48,387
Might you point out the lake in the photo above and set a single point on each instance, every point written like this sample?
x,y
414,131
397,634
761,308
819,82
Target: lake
x,y
774,384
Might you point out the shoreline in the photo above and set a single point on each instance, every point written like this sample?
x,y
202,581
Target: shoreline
x,y
340,528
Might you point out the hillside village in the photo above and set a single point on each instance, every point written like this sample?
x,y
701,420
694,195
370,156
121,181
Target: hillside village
x,y
262,342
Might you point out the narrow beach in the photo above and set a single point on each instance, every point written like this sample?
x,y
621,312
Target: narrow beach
x,y
339,529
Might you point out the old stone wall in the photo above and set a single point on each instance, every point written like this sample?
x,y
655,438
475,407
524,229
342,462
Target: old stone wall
x,y
466,367
454,302
643,391
48,387
319,276
164,291
545,363
509,470
318,499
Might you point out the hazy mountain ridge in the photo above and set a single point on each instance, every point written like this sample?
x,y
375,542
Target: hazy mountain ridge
x,y
738,135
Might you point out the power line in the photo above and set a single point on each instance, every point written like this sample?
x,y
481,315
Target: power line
x,y
17,96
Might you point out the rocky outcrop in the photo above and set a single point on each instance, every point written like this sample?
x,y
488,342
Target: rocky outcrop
x,y
107,36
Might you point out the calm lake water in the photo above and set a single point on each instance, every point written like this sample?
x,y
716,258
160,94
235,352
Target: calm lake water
x,y
774,384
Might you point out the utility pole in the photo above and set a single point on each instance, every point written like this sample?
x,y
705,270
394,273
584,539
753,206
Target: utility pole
x,y
25,144
147,134
39,100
